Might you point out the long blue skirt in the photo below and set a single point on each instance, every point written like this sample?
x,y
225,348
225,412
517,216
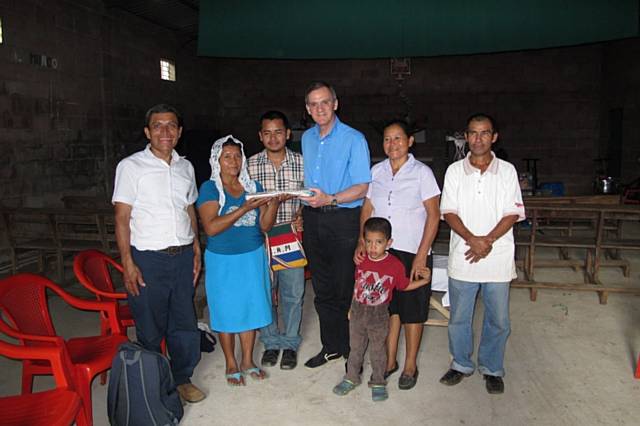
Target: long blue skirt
x,y
238,290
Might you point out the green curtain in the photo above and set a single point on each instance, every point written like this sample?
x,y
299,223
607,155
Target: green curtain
x,y
334,29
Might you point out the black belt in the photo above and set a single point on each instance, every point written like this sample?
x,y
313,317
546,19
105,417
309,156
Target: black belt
x,y
175,250
325,209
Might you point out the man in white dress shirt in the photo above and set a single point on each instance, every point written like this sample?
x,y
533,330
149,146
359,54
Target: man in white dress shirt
x,y
157,235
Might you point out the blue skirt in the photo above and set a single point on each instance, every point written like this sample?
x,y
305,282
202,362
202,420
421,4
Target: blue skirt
x,y
238,290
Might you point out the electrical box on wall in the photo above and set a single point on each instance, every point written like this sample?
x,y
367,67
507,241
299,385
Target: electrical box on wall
x,y
43,61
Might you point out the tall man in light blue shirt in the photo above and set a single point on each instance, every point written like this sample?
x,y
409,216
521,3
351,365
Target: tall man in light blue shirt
x,y
337,169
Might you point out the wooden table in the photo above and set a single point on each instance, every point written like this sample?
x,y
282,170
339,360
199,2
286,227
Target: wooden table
x,y
599,234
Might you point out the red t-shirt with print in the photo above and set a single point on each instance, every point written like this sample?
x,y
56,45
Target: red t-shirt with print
x,y
376,279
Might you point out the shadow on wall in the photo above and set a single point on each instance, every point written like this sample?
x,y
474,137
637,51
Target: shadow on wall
x,y
196,146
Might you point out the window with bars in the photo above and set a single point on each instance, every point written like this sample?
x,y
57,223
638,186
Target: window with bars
x,y
167,70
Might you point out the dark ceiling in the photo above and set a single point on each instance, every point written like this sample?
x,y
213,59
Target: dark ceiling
x,y
180,16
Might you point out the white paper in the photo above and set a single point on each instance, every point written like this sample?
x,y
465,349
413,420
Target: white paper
x,y
294,192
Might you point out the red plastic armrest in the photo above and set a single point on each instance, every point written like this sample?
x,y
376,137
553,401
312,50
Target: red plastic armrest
x,y
111,308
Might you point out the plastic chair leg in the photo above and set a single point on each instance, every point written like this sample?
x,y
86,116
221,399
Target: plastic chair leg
x,y
27,381
81,418
83,387
638,368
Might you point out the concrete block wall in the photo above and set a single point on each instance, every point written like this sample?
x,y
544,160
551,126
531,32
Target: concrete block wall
x,y
64,126
63,129
547,102
621,89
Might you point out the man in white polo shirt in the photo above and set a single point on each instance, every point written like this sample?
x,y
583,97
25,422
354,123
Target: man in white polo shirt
x,y
481,201
156,231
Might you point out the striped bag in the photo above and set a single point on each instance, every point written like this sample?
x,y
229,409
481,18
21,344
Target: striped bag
x,y
284,247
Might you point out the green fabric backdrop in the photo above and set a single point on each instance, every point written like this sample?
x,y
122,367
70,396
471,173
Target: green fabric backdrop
x,y
336,29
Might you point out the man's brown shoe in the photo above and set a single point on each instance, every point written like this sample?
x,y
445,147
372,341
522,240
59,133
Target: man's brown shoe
x,y
190,393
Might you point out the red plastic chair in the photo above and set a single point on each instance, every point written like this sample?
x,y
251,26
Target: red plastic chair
x,y
638,368
23,303
60,406
91,268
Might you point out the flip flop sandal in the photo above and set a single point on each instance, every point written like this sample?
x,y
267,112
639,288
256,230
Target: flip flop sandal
x,y
255,373
379,393
235,379
407,382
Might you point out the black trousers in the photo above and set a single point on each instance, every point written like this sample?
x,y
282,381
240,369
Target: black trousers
x,y
330,239
165,308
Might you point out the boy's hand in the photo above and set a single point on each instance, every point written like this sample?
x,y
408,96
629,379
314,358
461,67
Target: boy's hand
x,y
424,272
360,253
349,315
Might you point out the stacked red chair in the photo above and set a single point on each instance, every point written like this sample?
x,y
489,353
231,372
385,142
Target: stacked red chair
x,y
26,317
60,406
91,268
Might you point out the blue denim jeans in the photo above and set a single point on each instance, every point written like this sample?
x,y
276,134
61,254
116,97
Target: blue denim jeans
x,y
495,326
290,283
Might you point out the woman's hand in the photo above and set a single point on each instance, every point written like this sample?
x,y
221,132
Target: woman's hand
x,y
360,253
419,264
255,203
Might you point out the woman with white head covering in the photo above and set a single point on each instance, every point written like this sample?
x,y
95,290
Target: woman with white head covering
x,y
236,269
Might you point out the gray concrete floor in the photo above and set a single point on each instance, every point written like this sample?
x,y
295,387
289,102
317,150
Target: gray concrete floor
x,y
569,361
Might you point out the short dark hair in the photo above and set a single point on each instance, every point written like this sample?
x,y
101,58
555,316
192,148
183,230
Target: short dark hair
x,y
480,116
160,108
400,123
378,224
319,85
274,115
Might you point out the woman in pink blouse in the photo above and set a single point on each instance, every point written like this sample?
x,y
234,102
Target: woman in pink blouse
x,y
404,191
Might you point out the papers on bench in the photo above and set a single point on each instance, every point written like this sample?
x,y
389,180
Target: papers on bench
x,y
439,278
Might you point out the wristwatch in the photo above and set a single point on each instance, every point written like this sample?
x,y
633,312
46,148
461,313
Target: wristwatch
x,y
334,201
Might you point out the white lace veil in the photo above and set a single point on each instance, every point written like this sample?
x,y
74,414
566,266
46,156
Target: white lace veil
x,y
248,184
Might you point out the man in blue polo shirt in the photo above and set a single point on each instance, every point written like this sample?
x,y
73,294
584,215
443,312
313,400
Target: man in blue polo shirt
x,y
336,168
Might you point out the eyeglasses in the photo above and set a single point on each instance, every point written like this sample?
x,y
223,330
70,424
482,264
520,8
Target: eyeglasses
x,y
485,134
323,103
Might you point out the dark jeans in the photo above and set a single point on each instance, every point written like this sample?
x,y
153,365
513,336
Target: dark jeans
x,y
330,238
369,325
165,308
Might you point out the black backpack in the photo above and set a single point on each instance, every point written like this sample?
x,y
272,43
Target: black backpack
x,y
141,389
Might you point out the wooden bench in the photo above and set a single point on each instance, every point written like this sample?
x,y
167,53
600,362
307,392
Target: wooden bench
x,y
52,233
602,244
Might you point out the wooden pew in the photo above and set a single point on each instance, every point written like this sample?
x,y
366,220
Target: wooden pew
x,y
597,244
53,233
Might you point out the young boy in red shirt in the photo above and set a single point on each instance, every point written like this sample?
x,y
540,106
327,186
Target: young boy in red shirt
x,y
376,277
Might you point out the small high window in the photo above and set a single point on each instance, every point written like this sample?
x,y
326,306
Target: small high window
x,y
1,31
167,70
